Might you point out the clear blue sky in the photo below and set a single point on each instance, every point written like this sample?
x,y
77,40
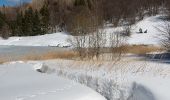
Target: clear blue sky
x,y
12,2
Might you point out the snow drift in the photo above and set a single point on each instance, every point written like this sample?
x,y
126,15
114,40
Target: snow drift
x,y
131,80
20,81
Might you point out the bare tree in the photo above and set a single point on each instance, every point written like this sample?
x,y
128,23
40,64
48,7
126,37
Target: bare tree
x,y
165,38
117,44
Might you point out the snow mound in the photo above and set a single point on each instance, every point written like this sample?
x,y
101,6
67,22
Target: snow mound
x,y
21,82
43,68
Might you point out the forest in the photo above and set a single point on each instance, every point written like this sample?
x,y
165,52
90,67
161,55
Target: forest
x,y
77,17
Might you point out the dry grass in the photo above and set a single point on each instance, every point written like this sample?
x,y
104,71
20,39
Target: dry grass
x,y
51,55
3,61
134,49
142,49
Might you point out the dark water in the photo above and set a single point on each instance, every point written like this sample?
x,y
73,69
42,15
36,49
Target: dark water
x,y
16,52
162,57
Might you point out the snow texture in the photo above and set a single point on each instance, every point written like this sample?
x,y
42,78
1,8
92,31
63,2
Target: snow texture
x,y
131,80
19,81
55,39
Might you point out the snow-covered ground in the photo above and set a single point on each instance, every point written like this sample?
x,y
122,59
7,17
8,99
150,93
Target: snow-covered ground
x,y
61,39
153,35
56,39
125,80
128,79
19,81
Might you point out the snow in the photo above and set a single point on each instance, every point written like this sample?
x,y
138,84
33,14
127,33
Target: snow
x,y
125,80
55,39
151,24
20,81
152,37
128,79
61,39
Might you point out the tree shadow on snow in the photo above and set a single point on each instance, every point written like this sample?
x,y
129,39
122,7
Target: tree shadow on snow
x,y
140,92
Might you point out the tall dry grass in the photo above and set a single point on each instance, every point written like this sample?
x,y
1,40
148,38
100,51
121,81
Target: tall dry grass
x,y
51,55
141,49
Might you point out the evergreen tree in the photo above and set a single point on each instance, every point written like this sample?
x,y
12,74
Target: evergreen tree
x,y
29,15
19,23
44,19
16,25
2,20
27,24
36,24
4,27
79,3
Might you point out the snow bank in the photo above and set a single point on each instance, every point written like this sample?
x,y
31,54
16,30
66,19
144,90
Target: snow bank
x,y
134,80
55,39
19,81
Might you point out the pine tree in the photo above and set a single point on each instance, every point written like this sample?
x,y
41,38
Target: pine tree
x,y
36,24
19,23
28,22
2,20
45,19
79,3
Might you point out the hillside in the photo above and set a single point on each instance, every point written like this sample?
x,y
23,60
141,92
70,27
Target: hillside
x,y
61,39
37,4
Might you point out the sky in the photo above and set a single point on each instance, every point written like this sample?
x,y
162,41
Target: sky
x,y
12,2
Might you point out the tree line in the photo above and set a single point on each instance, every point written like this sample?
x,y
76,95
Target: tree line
x,y
26,23
74,15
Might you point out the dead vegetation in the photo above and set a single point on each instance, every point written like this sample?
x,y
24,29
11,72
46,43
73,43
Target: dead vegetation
x,y
142,49
3,60
105,54
51,55
44,56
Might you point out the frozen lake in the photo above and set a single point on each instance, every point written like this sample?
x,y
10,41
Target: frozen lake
x,y
14,52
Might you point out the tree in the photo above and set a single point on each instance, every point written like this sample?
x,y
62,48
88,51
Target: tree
x,y
45,19
28,22
79,3
36,24
4,28
18,29
165,38
4,32
2,20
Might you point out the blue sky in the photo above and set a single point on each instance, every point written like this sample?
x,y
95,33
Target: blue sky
x,y
11,2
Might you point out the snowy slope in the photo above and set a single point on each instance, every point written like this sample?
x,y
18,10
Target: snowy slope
x,y
151,24
56,39
19,81
61,39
